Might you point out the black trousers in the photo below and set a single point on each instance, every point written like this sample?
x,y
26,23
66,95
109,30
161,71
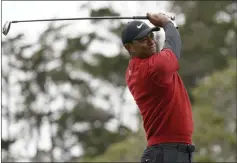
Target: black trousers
x,y
168,152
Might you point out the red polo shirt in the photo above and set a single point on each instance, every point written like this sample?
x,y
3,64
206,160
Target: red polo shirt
x,y
161,98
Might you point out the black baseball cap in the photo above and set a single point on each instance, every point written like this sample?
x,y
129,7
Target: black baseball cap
x,y
135,30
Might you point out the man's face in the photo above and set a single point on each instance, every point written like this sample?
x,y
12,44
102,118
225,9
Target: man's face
x,y
142,48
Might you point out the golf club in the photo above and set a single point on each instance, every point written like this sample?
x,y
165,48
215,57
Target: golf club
x,y
7,25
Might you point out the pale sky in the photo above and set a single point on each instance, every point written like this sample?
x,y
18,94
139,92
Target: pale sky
x,y
23,10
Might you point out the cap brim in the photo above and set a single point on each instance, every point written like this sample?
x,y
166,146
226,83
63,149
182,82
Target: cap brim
x,y
146,32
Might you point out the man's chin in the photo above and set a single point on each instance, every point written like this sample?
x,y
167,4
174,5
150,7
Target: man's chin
x,y
153,51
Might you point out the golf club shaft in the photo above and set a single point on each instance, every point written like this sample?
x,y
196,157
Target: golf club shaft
x,y
83,18
7,25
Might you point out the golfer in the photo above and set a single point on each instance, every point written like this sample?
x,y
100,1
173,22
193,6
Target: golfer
x,y
153,80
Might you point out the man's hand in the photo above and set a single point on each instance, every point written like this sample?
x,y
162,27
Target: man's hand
x,y
158,20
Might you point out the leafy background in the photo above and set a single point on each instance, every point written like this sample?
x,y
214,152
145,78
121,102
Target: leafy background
x,y
68,98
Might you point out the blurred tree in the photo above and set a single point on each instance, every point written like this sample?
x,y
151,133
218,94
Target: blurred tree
x,y
129,150
8,114
215,116
209,41
57,94
208,36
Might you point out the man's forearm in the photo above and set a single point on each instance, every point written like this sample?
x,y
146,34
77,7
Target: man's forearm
x,y
172,39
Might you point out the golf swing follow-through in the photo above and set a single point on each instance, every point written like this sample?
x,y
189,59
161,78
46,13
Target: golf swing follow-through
x,y
158,90
7,25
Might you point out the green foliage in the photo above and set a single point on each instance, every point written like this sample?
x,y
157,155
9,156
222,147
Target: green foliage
x,y
204,38
215,116
48,78
105,11
101,139
129,150
111,69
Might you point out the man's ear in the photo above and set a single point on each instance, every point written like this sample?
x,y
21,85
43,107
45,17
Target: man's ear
x,y
128,47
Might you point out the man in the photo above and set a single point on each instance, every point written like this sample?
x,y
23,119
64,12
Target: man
x,y
158,90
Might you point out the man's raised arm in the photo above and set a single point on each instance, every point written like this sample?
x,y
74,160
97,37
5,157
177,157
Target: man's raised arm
x,y
172,39
164,64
